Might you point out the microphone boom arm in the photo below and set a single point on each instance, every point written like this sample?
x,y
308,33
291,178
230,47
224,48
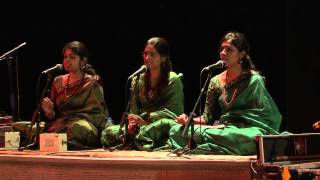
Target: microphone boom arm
x,y
11,51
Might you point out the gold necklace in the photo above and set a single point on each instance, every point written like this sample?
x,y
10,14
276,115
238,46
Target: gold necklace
x,y
224,89
234,95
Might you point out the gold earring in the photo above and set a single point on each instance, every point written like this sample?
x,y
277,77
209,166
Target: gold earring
x,y
83,67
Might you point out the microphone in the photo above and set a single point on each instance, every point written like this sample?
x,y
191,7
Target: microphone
x,y
219,64
142,69
11,51
22,44
57,67
316,125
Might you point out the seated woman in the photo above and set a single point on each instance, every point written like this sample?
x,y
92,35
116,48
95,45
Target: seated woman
x,y
157,98
76,104
238,99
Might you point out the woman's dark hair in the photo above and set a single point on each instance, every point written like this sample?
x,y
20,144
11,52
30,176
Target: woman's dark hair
x,y
241,43
162,47
77,48
81,50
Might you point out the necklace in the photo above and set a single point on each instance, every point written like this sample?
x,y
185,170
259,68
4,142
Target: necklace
x,y
153,87
227,86
71,91
234,95
152,91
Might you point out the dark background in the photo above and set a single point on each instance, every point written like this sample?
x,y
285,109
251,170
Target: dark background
x,y
283,37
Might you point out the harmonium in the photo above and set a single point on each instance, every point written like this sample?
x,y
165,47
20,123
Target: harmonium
x,y
297,155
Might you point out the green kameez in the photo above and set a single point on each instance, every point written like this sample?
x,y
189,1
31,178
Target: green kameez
x,y
244,108
159,112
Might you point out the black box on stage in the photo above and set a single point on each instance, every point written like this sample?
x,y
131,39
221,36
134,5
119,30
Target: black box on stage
x,y
282,149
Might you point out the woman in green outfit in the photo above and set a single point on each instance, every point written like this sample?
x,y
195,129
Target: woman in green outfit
x,y
238,107
75,104
157,98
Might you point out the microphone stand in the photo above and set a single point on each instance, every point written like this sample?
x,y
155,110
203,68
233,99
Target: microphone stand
x,y
15,108
34,143
125,137
14,96
190,122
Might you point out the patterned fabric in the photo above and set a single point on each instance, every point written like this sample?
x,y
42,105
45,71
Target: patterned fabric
x,y
88,103
82,116
244,107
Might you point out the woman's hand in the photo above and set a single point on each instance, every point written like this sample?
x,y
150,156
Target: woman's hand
x,y
182,119
135,119
47,106
199,120
134,122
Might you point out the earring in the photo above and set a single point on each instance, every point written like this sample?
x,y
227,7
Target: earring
x,y
241,61
83,67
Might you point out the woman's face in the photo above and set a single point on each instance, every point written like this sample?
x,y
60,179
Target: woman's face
x,y
151,57
71,61
230,54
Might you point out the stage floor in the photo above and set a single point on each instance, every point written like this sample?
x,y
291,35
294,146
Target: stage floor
x,y
124,164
